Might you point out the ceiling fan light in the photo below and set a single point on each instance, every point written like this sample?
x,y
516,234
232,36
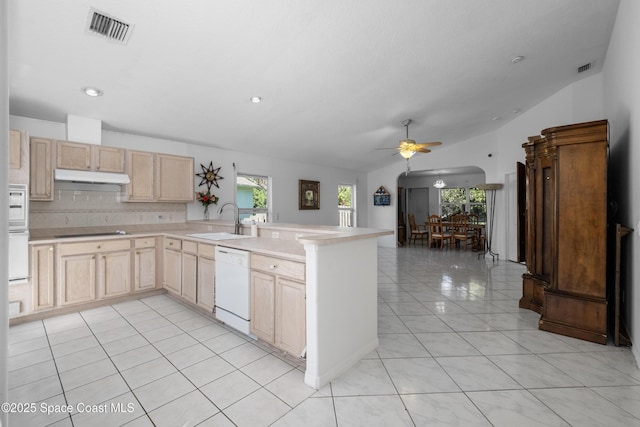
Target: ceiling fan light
x,y
439,184
407,142
407,153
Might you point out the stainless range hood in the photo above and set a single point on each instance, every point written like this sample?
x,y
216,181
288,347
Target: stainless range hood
x,y
91,177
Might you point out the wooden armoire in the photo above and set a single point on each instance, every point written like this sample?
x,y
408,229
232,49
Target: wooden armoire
x,y
566,230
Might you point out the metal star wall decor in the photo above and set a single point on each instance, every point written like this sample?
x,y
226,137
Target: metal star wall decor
x,y
209,175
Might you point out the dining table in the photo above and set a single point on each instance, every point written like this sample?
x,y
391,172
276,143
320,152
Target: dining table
x,y
477,227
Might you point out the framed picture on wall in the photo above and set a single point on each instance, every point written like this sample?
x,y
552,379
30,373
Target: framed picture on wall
x,y
381,197
308,194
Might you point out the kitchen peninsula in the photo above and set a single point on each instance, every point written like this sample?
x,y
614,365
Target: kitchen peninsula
x,y
338,277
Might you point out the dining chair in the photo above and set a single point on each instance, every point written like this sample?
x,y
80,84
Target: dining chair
x,y
417,231
461,230
437,232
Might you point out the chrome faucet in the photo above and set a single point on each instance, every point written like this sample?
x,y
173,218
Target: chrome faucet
x,y
236,217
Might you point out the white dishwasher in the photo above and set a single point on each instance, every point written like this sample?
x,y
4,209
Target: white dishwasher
x,y
233,288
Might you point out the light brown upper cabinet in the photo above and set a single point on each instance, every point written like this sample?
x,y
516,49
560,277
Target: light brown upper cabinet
x,y
140,169
79,156
40,169
73,155
159,177
174,178
108,159
15,158
18,161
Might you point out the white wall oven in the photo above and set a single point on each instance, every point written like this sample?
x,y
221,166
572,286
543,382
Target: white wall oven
x,y
18,233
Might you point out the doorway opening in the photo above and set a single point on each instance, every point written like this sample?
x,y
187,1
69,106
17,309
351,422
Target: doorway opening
x,y
418,196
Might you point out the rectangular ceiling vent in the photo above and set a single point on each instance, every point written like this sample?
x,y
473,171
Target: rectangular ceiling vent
x,y
583,68
113,29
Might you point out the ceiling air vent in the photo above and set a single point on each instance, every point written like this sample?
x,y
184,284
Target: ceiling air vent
x,y
584,68
109,27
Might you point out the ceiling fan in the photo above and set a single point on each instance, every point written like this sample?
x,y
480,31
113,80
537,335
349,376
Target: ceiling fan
x,y
408,147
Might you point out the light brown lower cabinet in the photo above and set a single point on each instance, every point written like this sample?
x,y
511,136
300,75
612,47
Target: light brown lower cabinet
x,y
77,278
205,295
144,276
189,271
189,276
290,316
263,305
91,270
278,304
114,274
42,276
173,265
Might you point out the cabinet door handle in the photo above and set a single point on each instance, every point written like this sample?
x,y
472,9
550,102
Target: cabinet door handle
x,y
273,266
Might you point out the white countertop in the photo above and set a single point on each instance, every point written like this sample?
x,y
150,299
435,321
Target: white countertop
x,y
290,248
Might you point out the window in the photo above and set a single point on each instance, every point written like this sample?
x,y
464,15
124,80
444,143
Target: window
x,y
463,200
346,205
452,201
253,198
478,203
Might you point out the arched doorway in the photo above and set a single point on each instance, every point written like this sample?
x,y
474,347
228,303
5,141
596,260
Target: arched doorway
x,y
417,195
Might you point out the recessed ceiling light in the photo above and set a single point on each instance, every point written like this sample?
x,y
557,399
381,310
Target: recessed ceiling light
x,y
92,91
516,111
517,59
256,99
495,118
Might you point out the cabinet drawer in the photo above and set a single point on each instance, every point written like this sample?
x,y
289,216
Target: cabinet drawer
x,y
145,242
175,244
188,246
293,269
206,250
95,246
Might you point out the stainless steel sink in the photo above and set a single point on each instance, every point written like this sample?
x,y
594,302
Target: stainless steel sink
x,y
218,236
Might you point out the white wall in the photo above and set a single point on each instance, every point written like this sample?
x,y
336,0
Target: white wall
x,y
285,174
581,101
622,106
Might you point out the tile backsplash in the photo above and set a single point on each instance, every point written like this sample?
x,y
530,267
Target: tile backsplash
x,y
93,205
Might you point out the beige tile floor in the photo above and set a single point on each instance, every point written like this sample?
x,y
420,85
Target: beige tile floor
x,y
454,350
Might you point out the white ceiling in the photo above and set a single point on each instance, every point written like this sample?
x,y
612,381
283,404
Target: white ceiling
x,y
337,77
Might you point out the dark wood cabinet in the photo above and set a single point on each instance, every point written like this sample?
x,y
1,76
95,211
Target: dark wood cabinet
x,y
566,226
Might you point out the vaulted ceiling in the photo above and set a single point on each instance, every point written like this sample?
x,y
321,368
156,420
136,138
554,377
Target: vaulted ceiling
x,y
336,78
